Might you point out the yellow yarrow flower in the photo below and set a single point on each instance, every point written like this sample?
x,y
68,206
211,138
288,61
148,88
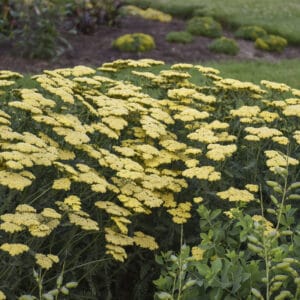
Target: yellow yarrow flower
x,y
235,195
292,110
82,220
191,114
50,213
46,261
206,70
203,135
296,136
191,163
40,230
144,241
245,111
181,213
62,184
252,187
204,172
278,159
198,199
73,202
267,225
14,180
172,145
116,238
11,227
252,138
117,252
282,140
279,87
25,208
219,152
268,116
2,296
112,208
263,132
197,253
14,248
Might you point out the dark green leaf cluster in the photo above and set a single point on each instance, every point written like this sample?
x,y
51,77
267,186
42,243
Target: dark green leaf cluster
x,y
182,37
250,32
224,45
205,26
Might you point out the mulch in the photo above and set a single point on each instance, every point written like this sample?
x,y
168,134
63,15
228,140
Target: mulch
x,y
96,48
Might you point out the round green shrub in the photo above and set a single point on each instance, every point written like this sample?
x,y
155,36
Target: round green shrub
x,y
250,32
224,45
205,26
183,37
135,42
271,43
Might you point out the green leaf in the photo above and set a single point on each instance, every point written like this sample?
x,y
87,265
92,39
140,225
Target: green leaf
x,y
163,283
216,294
163,296
203,269
216,265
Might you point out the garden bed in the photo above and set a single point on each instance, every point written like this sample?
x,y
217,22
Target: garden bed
x,y
94,49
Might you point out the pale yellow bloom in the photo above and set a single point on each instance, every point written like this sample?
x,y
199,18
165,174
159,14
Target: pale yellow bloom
x,y
14,249
46,261
235,195
197,253
252,187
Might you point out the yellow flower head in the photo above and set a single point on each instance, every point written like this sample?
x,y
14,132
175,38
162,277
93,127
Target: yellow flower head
x,y
252,187
144,241
46,261
2,296
14,249
73,202
235,195
197,253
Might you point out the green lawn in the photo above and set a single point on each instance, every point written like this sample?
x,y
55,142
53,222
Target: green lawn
x,y
276,16
285,71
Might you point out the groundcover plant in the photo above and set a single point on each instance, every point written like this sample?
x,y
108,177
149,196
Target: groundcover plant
x,y
98,163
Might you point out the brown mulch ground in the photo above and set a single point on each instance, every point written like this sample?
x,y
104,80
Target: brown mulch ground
x,y
93,50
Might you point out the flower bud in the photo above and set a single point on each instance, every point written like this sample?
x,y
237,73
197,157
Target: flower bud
x,y
72,284
64,290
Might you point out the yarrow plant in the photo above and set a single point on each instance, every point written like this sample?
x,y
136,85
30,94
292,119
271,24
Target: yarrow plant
x,y
102,168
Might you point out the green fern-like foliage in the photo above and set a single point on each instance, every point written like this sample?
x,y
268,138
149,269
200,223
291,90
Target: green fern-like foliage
x,y
135,42
205,26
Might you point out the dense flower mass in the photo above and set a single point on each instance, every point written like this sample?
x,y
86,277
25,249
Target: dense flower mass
x,y
88,153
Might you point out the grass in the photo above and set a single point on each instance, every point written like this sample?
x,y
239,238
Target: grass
x,y
285,71
276,16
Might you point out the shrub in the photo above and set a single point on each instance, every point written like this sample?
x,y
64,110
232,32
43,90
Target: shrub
x,y
183,37
177,9
271,43
35,32
149,13
135,42
250,32
102,167
205,26
224,45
